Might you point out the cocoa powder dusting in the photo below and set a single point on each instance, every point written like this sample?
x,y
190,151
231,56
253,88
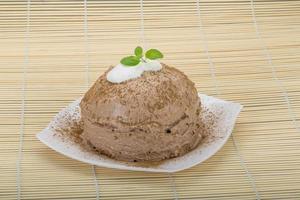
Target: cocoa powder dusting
x,y
166,121
208,126
70,126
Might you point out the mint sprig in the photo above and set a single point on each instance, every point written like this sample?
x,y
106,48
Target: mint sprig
x,y
151,54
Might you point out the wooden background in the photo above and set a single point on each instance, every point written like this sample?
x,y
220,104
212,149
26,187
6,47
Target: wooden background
x,y
244,51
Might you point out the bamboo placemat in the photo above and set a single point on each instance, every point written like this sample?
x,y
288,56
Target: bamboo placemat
x,y
237,50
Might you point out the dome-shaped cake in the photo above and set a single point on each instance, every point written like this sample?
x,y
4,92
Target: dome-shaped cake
x,y
149,118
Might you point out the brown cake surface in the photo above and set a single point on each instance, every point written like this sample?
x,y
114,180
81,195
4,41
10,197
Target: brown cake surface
x,y
150,118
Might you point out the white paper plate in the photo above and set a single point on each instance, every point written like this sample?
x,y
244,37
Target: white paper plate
x,y
226,111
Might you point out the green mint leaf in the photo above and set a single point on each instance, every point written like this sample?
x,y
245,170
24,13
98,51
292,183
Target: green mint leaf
x,y
138,52
130,61
153,54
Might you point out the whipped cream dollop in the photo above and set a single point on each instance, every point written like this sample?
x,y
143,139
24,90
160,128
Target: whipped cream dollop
x,y
121,73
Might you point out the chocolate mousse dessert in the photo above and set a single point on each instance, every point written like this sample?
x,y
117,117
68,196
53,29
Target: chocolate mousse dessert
x,y
142,110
